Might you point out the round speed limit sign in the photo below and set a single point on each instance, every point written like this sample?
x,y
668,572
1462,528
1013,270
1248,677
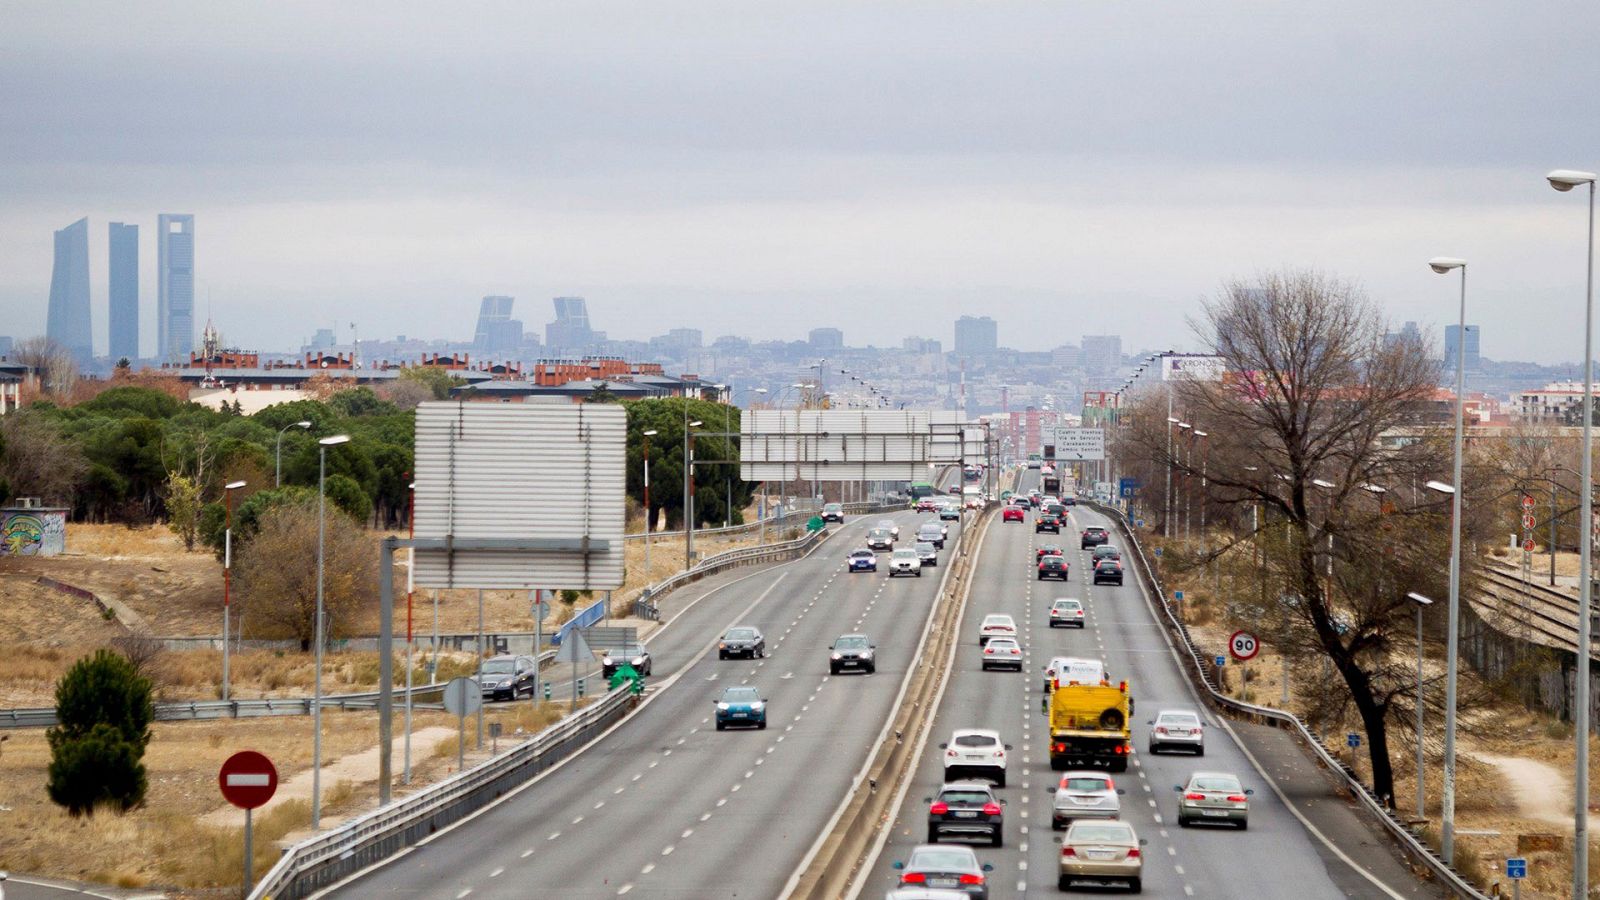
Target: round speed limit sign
x,y
1243,645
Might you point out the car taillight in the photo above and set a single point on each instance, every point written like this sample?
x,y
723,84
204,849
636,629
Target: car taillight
x,y
1236,798
1061,748
1161,729
1068,851
949,753
969,878
988,649
913,878
1000,753
1194,796
991,809
1133,852
939,808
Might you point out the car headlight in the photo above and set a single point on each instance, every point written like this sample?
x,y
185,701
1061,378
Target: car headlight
x,y
757,707
722,707
836,657
605,660
866,654
639,661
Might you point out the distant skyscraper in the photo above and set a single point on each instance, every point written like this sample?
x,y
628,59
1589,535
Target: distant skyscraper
x,y
1102,353
124,291
497,332
976,336
1452,334
68,323
1067,356
826,340
174,287
570,331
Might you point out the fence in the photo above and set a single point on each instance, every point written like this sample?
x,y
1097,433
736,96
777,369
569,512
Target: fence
x,y
325,859
1373,805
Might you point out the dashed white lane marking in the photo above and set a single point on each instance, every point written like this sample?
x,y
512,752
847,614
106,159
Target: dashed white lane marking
x,y
667,851
527,853
1172,851
705,816
648,868
463,893
1178,869
624,889
599,804
722,800
638,776
577,820
686,833
497,872
553,835
619,790
1188,891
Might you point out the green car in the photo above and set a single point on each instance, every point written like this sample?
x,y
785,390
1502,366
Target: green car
x,y
741,706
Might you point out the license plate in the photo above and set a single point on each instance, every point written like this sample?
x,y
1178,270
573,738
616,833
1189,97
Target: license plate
x,y
966,814
1214,812
1101,854
942,882
740,715
1085,801
1178,732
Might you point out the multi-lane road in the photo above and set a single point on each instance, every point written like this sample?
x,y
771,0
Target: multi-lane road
x,y
666,806
1276,857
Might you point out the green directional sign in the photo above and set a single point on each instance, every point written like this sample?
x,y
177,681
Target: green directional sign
x,y
815,524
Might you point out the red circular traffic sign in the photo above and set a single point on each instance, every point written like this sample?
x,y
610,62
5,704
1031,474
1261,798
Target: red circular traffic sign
x,y
1528,521
1243,645
248,779
1528,545
1527,501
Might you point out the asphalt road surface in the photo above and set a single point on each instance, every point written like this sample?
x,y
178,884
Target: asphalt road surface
x,y
668,807
1276,857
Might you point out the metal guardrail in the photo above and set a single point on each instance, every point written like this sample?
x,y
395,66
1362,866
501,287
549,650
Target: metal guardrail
x,y
339,852
1401,832
195,710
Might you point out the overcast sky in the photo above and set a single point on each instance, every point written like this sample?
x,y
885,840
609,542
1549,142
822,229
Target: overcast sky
x,y
761,169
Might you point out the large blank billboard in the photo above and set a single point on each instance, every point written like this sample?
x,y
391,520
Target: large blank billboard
x,y
847,445
548,475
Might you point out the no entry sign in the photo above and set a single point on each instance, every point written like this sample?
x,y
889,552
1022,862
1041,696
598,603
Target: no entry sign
x,y
248,779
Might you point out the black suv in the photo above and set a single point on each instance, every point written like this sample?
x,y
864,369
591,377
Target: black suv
x,y
852,651
965,809
1052,567
1094,536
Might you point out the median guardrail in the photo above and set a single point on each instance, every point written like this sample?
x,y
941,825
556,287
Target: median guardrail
x,y
1402,833
195,710
327,858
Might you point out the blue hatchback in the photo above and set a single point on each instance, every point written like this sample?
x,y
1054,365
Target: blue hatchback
x,y
741,706
863,560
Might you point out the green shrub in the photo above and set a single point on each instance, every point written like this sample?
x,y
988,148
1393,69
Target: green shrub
x,y
103,716
101,767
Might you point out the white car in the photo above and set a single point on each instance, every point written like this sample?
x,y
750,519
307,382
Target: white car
x,y
1002,653
890,526
975,753
905,562
1177,729
1067,612
1071,669
997,625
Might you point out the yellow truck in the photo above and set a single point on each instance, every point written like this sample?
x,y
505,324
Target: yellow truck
x,y
1089,726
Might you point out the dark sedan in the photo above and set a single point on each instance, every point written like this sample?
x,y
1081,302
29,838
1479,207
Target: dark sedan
x,y
1108,571
1052,567
507,677
634,655
746,642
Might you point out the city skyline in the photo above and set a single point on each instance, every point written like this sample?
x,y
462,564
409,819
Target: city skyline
x,y
965,165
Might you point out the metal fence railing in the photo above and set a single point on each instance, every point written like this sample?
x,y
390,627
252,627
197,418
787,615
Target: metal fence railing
x,y
343,850
1400,831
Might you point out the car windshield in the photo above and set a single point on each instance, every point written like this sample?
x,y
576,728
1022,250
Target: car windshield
x,y
975,740
924,547
1085,784
931,528
741,634
1100,833
741,695
1215,783
998,620
628,650
942,859
1052,561
966,798
499,667
905,554
851,642
833,507
862,553
1178,718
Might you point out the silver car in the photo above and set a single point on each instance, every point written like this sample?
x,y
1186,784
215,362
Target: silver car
x,y
1213,797
1085,795
945,867
1177,729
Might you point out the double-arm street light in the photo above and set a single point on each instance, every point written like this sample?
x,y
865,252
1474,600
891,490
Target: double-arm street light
x,y
316,702
1566,180
277,469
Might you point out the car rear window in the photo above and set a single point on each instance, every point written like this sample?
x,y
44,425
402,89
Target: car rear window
x,y
1215,783
1003,644
942,860
1114,834
1085,784
1178,719
997,620
975,740
965,797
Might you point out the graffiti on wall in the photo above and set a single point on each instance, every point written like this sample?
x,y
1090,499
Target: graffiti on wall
x,y
33,532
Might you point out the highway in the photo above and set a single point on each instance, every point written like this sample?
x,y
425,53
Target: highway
x,y
1276,857
665,806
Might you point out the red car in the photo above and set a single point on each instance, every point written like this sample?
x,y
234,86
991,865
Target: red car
x,y
1011,514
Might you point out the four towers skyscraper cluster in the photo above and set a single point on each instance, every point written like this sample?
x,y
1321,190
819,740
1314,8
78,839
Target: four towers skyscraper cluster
x,y
69,321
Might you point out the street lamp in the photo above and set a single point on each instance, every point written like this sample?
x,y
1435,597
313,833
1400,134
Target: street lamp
x,y
1566,180
277,470
227,577
649,519
1422,603
316,702
1184,485
688,494
1448,803
1166,524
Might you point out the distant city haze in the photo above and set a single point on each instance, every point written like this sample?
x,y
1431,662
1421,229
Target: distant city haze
x,y
1067,170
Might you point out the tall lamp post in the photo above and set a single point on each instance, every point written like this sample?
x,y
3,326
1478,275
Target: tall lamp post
x,y
688,493
1422,603
227,578
316,700
1183,483
1566,180
1166,523
649,519
277,469
1442,265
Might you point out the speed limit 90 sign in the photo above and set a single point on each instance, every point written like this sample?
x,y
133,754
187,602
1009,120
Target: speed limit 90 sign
x,y
1243,645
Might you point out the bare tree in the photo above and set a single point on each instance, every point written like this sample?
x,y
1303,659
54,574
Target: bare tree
x,y
277,572
37,460
1303,428
53,363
